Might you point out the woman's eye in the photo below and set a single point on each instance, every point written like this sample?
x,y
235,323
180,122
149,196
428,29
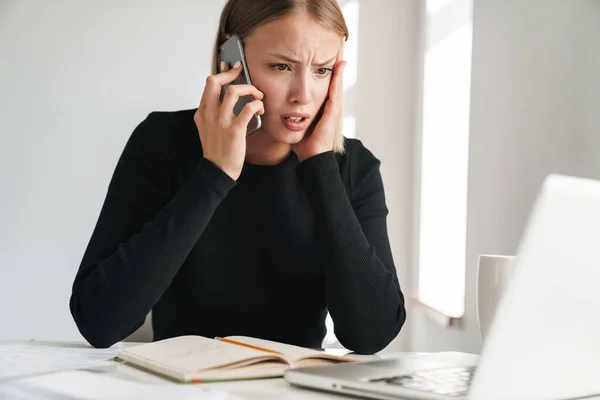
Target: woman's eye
x,y
279,67
324,71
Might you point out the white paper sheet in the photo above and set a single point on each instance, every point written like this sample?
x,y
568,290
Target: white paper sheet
x,y
90,385
30,358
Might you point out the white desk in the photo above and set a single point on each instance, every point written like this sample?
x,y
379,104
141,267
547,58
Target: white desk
x,y
83,375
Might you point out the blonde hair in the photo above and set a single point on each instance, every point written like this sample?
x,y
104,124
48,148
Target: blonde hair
x,y
242,17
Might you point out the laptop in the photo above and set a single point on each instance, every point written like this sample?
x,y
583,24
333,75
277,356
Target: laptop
x,y
544,342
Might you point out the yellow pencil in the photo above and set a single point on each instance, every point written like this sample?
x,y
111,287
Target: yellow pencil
x,y
246,345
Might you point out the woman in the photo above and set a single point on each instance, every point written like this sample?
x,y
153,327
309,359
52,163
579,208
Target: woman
x,y
219,234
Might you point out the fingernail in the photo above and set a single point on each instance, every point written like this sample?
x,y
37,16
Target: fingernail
x,y
237,64
222,66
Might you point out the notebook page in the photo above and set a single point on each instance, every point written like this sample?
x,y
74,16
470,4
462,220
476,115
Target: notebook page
x,y
194,353
289,351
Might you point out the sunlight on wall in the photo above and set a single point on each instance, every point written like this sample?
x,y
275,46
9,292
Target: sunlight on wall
x,y
434,6
444,163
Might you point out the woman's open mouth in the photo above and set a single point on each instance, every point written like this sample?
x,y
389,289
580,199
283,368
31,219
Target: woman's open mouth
x,y
295,121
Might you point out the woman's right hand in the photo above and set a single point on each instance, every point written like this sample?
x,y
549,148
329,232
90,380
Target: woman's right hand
x,y
222,134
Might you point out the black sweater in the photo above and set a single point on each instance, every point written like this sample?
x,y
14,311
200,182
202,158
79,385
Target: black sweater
x,y
265,256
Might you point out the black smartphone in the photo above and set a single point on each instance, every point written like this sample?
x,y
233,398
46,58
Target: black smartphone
x,y
231,52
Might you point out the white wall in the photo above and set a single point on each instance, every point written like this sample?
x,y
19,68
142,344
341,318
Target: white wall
x,y
591,145
75,79
534,110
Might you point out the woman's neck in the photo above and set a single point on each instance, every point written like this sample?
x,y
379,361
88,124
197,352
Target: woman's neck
x,y
263,150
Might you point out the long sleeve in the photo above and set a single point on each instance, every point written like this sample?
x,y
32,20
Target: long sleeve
x,y
142,236
363,293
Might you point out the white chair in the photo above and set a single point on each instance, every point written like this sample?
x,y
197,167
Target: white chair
x,y
144,333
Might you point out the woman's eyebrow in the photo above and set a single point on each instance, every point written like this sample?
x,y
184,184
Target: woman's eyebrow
x,y
294,61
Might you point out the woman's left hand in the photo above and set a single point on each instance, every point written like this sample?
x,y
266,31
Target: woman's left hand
x,y
322,138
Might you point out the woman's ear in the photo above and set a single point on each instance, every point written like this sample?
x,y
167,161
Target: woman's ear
x,y
228,36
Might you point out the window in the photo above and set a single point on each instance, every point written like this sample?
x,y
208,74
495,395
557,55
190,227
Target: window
x,y
444,155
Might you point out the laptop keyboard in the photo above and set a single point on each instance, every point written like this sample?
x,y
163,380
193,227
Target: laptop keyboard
x,y
451,381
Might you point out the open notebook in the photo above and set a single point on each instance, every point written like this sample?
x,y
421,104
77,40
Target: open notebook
x,y
195,359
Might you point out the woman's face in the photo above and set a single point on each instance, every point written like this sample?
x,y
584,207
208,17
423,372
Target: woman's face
x,y
291,60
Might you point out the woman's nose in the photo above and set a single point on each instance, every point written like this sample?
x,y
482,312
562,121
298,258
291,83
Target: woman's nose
x,y
301,91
